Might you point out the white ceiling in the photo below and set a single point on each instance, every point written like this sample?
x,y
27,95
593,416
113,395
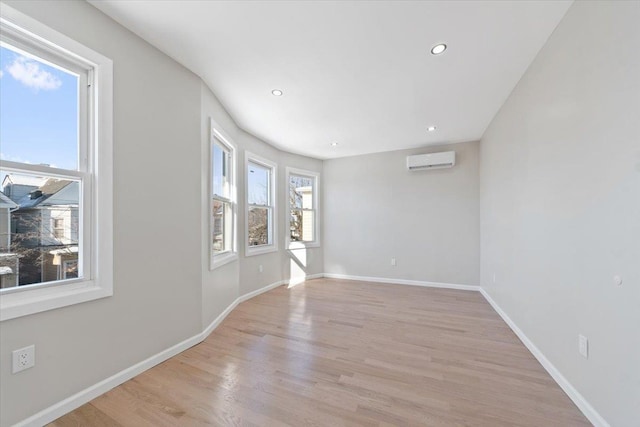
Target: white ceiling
x,y
354,72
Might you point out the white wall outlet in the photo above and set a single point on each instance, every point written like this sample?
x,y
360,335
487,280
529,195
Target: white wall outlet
x,y
24,358
393,262
260,269
494,278
583,346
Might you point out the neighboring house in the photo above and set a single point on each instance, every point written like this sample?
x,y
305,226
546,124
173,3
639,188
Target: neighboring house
x,y
8,260
16,187
44,227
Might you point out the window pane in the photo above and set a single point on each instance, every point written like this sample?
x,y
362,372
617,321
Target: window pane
x,y
222,226
301,192
39,224
38,112
258,178
301,226
218,226
221,171
259,226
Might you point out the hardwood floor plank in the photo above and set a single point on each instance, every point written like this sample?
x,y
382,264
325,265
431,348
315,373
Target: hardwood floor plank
x,y
86,415
341,353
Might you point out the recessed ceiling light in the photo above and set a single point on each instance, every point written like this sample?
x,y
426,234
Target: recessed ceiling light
x,y
334,144
431,128
438,49
276,92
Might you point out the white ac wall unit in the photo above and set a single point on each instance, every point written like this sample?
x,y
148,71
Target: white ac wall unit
x,y
431,161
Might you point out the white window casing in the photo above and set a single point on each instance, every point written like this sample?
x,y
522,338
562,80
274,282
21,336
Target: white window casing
x,y
270,206
230,235
313,210
94,172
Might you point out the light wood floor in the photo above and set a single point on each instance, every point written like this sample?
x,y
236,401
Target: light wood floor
x,y
332,353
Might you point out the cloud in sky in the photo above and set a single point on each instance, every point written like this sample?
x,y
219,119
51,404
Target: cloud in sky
x,y
1,73
29,73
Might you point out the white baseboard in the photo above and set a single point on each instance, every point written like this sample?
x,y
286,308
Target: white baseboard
x,y
582,404
67,405
403,282
257,292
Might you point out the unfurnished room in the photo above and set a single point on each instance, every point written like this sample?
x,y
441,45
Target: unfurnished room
x,y
319,213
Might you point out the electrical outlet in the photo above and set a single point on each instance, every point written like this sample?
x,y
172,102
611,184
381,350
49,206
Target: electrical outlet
x,y
260,269
494,278
393,262
583,346
24,358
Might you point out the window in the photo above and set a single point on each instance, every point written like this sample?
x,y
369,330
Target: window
x,y
69,269
55,136
58,228
302,212
223,198
260,190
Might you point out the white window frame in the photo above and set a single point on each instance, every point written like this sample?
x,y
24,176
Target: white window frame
x,y
316,209
273,202
218,136
94,172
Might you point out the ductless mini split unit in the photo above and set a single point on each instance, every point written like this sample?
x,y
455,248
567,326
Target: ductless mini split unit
x,y
442,160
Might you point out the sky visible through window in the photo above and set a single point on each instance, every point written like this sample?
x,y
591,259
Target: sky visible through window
x,y
258,184
38,112
220,178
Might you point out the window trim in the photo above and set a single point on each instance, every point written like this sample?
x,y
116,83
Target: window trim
x,y
273,196
96,231
220,259
316,203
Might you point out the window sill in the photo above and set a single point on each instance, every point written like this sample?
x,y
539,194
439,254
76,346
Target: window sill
x,y
223,259
260,250
292,246
33,301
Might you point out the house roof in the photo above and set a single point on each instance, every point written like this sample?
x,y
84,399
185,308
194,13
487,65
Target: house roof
x,y
31,181
48,189
6,202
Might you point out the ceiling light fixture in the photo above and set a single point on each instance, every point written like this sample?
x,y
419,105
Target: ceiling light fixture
x,y
431,128
276,92
438,49
334,144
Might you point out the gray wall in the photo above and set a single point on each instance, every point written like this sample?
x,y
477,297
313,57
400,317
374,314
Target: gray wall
x,y
157,279
164,292
222,285
560,204
428,220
